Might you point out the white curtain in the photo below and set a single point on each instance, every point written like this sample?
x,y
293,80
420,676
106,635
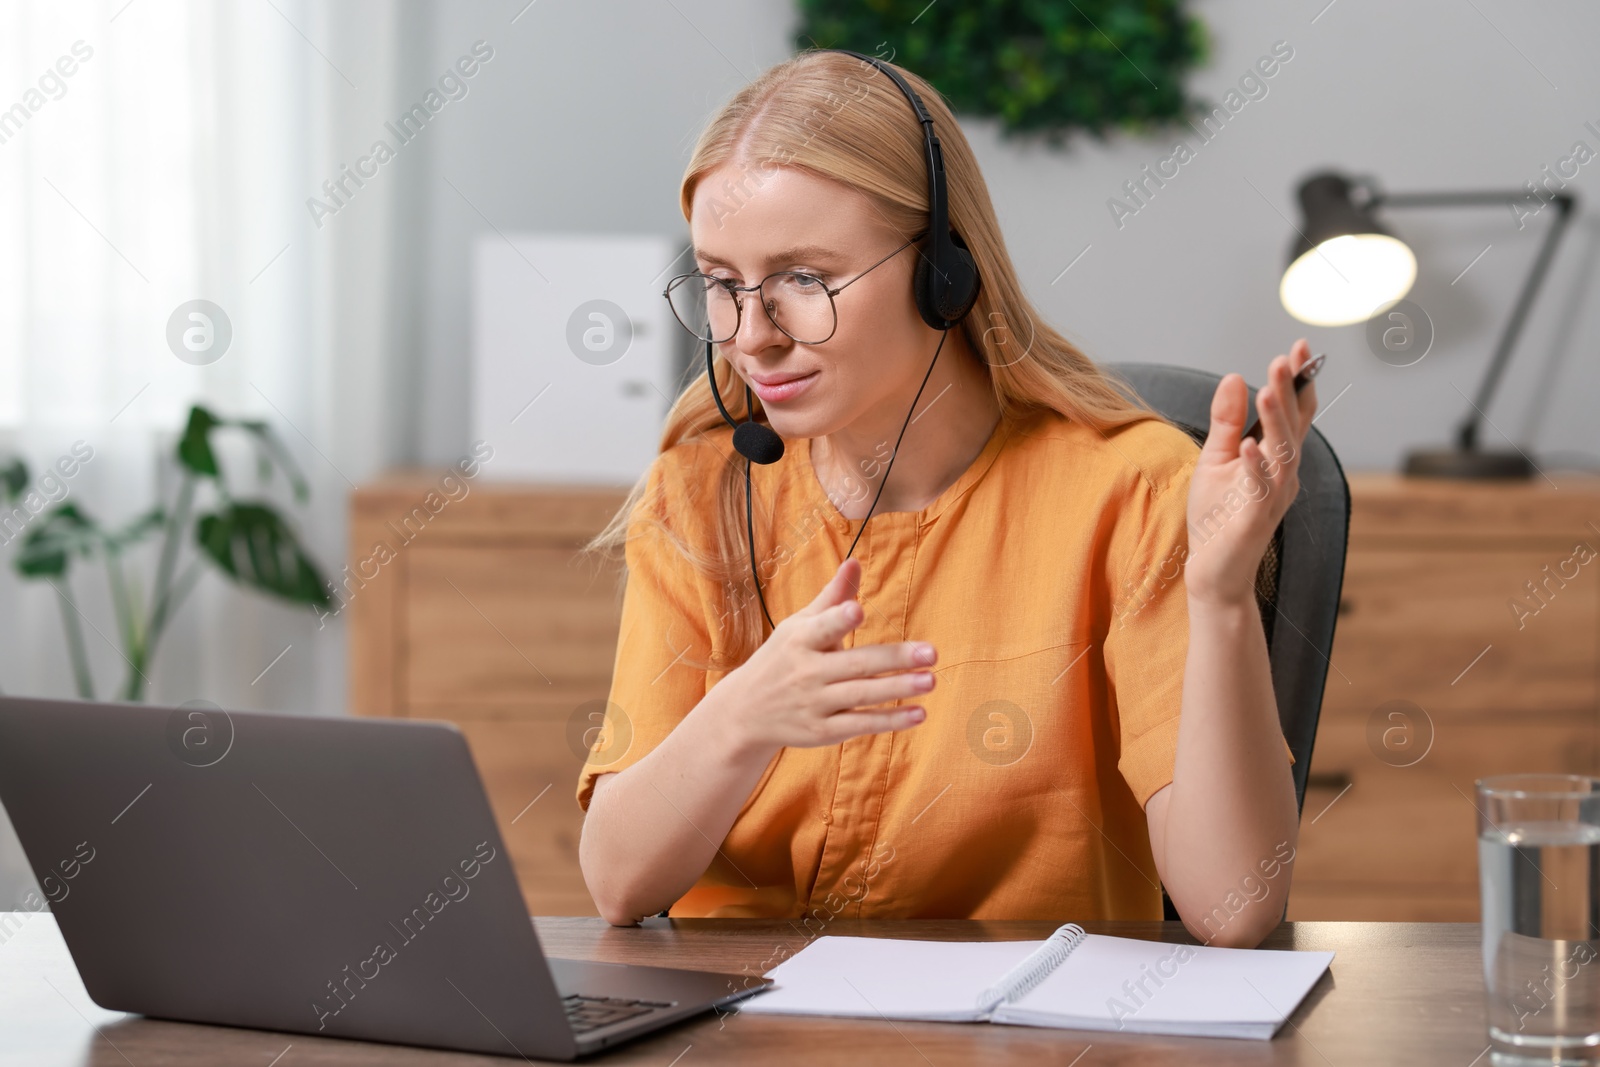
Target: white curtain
x,y
158,152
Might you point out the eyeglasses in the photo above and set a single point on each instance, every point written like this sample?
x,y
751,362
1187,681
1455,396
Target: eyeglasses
x,y
798,303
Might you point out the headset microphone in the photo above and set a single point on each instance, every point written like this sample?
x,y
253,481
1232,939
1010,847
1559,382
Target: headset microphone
x,y
753,440
944,288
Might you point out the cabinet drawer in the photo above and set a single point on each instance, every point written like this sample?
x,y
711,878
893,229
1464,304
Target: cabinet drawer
x,y
1414,621
507,626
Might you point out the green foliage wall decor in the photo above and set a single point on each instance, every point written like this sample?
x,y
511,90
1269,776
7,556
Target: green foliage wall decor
x,y
1042,67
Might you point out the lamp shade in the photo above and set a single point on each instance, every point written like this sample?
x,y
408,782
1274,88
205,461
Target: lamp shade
x,y
1343,265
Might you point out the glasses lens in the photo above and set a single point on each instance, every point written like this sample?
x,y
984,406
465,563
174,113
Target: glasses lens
x,y
705,308
800,305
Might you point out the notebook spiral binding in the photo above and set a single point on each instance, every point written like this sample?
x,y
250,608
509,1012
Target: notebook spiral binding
x,y
1016,982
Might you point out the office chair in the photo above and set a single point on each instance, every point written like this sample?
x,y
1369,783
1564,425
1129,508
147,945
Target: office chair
x,y
1298,583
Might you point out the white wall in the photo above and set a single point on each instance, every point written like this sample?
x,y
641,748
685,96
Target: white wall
x,y
584,120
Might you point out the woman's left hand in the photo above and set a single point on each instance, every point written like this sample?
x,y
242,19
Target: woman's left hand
x,y
1241,489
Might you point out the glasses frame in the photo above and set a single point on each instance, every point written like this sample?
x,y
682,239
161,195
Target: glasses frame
x,y
738,303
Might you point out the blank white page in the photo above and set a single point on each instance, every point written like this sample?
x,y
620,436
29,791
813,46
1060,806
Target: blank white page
x,y
1125,983
876,977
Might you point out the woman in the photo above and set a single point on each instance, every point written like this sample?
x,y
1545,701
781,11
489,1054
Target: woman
x,y
1042,689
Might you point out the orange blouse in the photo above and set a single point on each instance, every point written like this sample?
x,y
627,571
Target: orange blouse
x,y
1048,576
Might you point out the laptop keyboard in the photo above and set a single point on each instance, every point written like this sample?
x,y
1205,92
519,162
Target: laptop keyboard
x,y
590,1013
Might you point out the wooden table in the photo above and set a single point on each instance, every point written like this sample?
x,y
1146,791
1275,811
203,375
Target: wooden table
x,y
1397,993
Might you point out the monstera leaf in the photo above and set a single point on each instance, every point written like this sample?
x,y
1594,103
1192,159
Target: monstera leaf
x,y
13,478
68,530
196,454
258,549
53,540
194,447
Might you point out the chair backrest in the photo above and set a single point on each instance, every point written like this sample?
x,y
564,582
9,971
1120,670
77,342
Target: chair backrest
x,y
1298,585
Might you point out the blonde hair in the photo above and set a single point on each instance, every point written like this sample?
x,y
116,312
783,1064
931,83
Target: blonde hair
x,y
832,115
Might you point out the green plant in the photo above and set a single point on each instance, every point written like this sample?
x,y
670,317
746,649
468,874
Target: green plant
x,y
13,478
247,540
1042,66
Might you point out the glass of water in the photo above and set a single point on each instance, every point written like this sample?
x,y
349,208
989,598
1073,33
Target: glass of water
x,y
1539,875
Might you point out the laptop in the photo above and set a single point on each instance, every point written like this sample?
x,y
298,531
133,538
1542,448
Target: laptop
x,y
331,876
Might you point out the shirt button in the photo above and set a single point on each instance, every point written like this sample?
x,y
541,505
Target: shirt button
x,y
827,818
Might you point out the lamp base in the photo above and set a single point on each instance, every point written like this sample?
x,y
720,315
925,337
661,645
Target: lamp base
x,y
1472,465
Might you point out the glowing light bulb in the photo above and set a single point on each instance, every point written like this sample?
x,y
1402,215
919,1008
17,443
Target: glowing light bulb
x,y
1345,279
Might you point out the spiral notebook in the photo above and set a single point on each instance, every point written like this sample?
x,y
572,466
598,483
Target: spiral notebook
x,y
1071,980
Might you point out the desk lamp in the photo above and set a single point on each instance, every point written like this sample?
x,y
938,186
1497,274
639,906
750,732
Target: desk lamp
x,y
1346,267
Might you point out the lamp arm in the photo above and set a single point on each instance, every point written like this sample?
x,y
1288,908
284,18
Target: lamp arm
x,y
1467,434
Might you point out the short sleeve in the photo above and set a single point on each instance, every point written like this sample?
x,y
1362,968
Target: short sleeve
x,y
1147,639
663,633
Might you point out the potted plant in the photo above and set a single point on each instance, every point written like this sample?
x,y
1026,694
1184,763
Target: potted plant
x,y
247,540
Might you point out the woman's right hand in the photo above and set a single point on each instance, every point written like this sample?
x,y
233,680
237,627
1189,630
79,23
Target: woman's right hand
x,y
802,689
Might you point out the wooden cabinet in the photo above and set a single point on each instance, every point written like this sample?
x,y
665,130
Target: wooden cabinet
x,y
481,614
1438,680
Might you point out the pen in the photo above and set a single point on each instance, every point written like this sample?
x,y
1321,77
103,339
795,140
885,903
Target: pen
x,y
1307,372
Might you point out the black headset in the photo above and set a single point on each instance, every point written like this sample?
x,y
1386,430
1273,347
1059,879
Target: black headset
x,y
945,287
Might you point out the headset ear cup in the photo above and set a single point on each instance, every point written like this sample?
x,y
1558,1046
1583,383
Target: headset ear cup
x,y
964,284
945,295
